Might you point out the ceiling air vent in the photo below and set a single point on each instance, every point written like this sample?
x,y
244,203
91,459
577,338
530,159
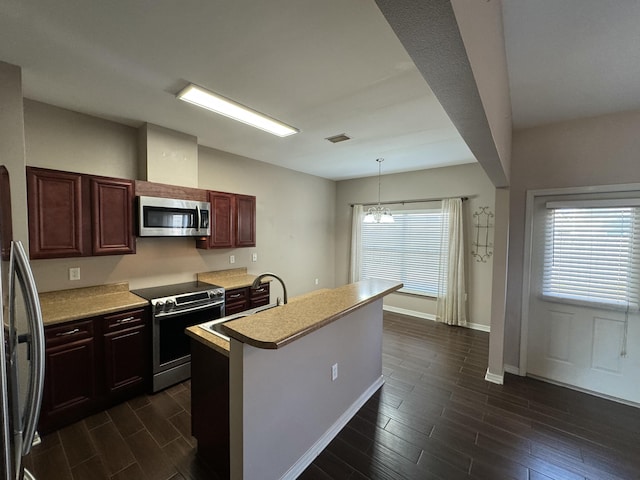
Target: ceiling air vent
x,y
338,138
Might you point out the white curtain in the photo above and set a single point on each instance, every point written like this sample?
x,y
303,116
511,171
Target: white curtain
x,y
356,243
451,306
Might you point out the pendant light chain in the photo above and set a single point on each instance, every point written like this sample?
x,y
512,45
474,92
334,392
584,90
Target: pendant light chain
x,y
378,214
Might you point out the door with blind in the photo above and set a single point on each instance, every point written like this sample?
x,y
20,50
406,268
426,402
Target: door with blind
x,y
583,322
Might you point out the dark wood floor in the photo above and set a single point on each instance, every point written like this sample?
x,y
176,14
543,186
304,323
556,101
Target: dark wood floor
x,y
435,417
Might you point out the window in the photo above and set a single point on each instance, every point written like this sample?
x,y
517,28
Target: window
x,y
408,250
592,255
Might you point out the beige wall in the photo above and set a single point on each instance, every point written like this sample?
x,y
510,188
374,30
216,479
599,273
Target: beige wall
x,y
66,140
465,180
482,32
12,149
161,149
594,151
295,212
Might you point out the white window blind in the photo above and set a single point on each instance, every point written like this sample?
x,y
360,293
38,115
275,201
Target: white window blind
x,y
592,256
407,250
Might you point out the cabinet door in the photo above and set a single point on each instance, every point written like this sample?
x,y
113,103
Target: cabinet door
x,y
112,216
222,225
246,221
70,384
127,357
55,214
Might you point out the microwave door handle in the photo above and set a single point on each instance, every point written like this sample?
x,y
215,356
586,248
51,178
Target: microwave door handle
x,y
198,218
34,317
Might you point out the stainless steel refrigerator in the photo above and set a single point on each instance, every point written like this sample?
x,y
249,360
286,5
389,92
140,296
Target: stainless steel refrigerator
x,y
21,347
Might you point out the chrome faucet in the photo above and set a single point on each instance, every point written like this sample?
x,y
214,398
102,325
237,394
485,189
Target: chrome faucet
x,y
256,284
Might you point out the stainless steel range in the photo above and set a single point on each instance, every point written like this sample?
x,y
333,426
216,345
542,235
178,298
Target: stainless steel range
x,y
176,307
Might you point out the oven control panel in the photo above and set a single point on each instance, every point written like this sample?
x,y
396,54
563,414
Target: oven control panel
x,y
188,301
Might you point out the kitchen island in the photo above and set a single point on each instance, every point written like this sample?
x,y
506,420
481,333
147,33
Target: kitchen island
x,y
295,375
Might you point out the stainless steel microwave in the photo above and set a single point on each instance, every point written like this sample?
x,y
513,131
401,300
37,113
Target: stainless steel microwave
x,y
167,217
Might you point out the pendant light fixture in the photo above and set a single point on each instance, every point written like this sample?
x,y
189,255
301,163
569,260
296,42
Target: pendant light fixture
x,y
378,214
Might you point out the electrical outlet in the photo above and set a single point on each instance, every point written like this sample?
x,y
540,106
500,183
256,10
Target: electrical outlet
x,y
334,372
232,259
74,273
317,281
254,257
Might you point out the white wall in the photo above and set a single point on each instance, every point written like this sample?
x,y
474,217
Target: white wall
x,y
594,151
295,211
283,401
464,180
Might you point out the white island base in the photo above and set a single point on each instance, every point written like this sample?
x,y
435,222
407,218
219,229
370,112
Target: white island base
x,y
284,406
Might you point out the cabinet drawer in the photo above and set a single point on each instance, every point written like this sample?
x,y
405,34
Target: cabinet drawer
x,y
68,332
261,291
236,295
123,320
233,308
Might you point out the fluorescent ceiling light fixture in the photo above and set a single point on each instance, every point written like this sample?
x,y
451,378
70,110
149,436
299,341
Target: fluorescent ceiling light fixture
x,y
217,103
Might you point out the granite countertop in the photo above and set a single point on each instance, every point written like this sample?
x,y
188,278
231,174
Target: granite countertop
x,y
66,305
281,325
220,344
228,279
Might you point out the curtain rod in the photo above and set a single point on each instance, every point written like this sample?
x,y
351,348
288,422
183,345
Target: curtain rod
x,y
417,200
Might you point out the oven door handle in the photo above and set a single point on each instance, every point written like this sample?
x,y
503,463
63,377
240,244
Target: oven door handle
x,y
187,310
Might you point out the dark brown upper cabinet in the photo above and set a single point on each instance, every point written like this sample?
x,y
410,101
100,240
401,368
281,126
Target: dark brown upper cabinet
x,y
112,216
56,225
75,215
223,211
245,221
233,222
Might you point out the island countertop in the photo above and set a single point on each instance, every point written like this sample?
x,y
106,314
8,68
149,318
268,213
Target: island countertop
x,y
281,325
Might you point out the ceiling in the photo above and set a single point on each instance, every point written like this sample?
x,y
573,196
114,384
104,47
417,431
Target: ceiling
x,y
327,68
570,59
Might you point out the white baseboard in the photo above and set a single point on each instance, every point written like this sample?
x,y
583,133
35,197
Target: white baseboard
x,y
494,378
428,316
512,369
310,455
410,313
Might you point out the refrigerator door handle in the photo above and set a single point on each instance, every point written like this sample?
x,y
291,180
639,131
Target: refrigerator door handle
x,y
34,314
5,442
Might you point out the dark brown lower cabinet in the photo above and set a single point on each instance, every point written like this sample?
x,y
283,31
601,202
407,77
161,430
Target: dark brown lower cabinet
x,y
93,364
127,354
70,375
236,300
244,298
210,407
259,296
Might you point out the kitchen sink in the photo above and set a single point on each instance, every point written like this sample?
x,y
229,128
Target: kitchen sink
x,y
215,326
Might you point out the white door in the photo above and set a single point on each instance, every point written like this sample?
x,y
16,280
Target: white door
x,y
574,337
